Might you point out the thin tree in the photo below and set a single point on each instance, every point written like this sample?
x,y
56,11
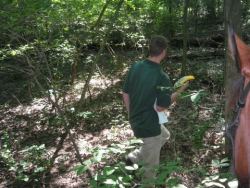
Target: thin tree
x,y
81,102
184,60
79,49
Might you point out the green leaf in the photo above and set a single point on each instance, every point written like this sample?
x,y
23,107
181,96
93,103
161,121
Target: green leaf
x,y
93,183
120,178
24,163
222,180
87,163
13,169
75,168
127,184
130,147
41,146
136,141
174,163
215,177
214,184
180,186
173,181
128,178
114,150
225,160
98,156
40,169
121,146
130,168
81,170
110,182
24,177
224,164
98,177
108,171
162,176
135,166
215,163
233,184
202,92
195,98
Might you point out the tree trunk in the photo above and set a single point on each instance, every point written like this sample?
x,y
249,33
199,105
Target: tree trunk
x,y
196,17
81,102
233,13
79,50
74,67
171,18
211,6
184,61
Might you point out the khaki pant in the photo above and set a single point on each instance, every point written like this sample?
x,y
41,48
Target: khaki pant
x,y
149,152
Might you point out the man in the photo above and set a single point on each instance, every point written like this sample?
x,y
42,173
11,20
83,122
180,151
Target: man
x,y
140,91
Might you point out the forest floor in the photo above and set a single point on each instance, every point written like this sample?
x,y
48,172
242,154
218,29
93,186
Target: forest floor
x,y
194,141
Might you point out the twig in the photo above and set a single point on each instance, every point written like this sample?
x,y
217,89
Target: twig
x,y
16,99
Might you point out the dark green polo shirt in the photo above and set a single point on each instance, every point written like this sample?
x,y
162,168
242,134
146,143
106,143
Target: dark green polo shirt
x,y
141,85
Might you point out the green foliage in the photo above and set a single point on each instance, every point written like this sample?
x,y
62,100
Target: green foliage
x,y
198,133
35,159
120,175
126,176
220,163
5,153
108,177
215,179
34,162
219,180
60,30
88,115
195,96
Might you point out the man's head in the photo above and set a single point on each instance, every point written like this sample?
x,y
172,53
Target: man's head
x,y
156,45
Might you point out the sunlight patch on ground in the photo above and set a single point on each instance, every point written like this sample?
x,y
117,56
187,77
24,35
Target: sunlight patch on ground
x,y
98,82
85,147
33,107
97,85
79,85
116,134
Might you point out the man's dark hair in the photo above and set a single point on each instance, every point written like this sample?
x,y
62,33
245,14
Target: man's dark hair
x,y
156,45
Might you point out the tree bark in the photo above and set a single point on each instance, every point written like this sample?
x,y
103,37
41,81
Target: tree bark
x,y
211,8
233,13
170,9
184,60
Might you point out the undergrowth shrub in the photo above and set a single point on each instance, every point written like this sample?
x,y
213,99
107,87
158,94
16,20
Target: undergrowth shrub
x,y
28,163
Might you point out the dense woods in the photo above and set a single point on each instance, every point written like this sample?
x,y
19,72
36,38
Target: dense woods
x,y
62,67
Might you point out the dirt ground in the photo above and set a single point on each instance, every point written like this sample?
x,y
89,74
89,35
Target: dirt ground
x,y
193,135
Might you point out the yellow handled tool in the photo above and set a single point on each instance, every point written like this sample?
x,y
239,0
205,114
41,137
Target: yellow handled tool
x,y
181,81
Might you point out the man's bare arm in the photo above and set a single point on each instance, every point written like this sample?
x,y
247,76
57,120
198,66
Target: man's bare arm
x,y
173,98
126,100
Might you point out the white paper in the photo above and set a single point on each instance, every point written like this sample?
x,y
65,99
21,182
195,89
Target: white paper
x,y
161,115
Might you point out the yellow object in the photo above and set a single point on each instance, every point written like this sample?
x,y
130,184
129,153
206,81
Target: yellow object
x,y
181,81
